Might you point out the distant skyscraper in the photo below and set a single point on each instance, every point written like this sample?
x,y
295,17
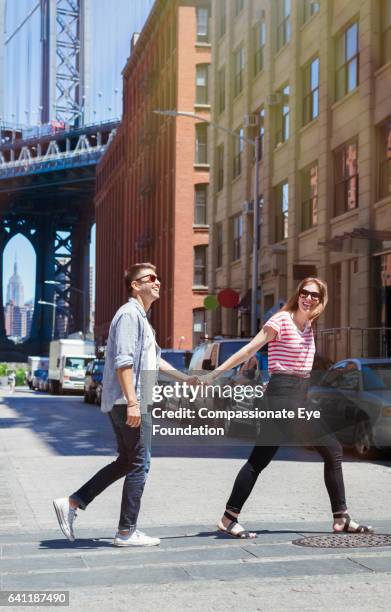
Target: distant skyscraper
x,y
15,321
29,317
15,290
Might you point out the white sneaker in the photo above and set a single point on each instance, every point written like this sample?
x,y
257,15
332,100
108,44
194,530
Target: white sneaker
x,y
65,516
137,538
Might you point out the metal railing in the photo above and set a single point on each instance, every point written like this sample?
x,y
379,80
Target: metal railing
x,y
37,165
343,342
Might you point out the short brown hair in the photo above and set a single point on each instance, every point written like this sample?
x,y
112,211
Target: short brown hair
x,y
133,272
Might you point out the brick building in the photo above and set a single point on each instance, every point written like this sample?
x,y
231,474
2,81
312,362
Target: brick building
x,y
316,79
152,183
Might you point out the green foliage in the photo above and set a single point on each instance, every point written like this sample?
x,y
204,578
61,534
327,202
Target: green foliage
x,y
20,377
5,368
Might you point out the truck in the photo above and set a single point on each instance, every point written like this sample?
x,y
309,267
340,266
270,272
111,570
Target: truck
x,y
35,363
68,360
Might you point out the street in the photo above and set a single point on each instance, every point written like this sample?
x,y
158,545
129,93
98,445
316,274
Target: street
x,y
50,445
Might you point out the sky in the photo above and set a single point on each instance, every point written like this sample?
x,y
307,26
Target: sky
x,y
110,47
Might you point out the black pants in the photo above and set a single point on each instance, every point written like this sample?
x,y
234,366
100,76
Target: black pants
x,y
133,462
290,392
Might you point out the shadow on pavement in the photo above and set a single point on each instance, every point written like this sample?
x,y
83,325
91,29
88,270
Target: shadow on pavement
x,y
80,543
73,428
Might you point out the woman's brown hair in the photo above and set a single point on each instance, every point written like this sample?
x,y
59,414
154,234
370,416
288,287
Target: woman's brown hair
x,y
293,303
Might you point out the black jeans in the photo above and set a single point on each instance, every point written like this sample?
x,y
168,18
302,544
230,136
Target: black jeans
x,y
290,392
133,462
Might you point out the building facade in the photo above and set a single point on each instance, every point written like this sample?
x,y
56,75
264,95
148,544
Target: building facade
x,y
313,81
153,181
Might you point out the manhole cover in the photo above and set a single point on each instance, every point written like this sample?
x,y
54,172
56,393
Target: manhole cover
x,y
345,540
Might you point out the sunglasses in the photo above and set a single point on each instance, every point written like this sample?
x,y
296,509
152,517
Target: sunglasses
x,y
149,278
313,294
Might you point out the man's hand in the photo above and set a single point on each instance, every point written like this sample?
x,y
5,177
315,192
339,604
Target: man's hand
x,y
133,415
193,380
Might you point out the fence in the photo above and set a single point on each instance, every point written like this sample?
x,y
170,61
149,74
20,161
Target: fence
x,y
342,342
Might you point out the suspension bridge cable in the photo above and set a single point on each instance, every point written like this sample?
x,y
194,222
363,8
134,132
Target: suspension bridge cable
x,y
10,37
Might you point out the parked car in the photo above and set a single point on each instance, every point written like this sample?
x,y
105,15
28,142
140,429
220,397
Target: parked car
x,y
43,383
354,397
37,377
93,378
206,357
178,358
250,374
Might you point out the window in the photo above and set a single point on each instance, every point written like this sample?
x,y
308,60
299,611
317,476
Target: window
x,y
220,167
201,153
311,91
259,37
202,24
200,255
346,177
237,232
238,150
385,160
200,200
239,70
219,245
199,326
282,133
281,209
202,94
222,18
261,133
347,61
310,8
309,202
239,4
221,90
386,21
283,23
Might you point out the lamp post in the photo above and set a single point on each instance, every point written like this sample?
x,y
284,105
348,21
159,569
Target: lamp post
x,y
255,144
54,306
82,291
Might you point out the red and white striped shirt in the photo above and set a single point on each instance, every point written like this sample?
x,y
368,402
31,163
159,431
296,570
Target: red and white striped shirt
x,y
292,350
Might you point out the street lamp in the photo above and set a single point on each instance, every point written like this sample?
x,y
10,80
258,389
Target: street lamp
x,y
82,291
54,306
255,144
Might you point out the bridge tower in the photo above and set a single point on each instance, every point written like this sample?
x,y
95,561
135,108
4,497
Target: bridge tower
x,y
66,70
2,49
54,211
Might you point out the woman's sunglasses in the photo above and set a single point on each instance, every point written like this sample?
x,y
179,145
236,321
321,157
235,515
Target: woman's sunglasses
x,y
314,294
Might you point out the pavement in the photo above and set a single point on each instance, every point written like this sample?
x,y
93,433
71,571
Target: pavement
x,y
49,446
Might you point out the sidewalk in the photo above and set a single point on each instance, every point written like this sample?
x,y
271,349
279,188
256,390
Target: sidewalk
x,y
195,567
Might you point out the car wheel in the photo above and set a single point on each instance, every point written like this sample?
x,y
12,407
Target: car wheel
x,y
363,444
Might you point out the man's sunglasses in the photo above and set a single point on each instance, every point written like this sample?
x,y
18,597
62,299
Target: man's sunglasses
x,y
149,278
314,294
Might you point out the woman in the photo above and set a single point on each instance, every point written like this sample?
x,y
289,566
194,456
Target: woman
x,y
291,349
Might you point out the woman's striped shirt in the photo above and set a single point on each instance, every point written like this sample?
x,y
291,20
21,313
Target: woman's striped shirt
x,y
292,351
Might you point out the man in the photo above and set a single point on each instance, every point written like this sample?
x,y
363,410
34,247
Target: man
x,y
11,381
132,356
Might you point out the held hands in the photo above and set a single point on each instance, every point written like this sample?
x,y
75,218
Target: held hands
x,y
204,379
133,415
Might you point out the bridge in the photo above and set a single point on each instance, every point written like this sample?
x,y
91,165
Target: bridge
x,y
47,175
